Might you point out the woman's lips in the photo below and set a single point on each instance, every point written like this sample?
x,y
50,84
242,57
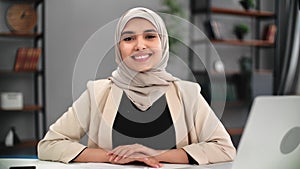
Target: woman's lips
x,y
141,57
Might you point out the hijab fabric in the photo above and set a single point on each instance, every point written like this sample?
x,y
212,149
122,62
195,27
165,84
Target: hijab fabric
x,y
143,88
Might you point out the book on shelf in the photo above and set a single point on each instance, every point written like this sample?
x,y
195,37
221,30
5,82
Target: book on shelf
x,y
27,59
213,29
270,32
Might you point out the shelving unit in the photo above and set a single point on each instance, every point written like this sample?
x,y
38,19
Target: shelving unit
x,y
206,11
25,109
242,13
262,43
21,35
35,101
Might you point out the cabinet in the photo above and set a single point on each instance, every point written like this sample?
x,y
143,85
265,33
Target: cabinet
x,y
30,121
253,53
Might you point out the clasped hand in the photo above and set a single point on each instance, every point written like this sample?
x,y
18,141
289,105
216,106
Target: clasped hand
x,y
134,152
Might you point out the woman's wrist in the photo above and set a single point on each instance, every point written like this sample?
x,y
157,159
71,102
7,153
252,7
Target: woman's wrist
x,y
173,156
92,155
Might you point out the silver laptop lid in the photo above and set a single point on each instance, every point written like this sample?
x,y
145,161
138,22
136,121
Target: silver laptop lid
x,y
272,135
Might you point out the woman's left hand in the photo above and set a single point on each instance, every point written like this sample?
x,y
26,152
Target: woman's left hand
x,y
150,161
132,151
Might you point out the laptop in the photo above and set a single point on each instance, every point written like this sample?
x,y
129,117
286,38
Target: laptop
x,y
272,135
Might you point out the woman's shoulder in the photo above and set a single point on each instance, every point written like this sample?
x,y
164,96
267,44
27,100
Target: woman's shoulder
x,y
187,85
100,84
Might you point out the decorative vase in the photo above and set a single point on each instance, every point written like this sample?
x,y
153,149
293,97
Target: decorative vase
x,y
240,35
245,5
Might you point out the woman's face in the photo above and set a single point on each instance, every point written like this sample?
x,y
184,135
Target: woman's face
x,y
140,45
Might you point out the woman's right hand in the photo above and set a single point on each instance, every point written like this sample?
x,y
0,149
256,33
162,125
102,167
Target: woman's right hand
x,y
150,161
133,151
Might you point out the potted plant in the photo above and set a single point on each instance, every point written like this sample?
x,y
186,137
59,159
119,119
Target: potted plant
x,y
247,4
240,31
173,8
246,76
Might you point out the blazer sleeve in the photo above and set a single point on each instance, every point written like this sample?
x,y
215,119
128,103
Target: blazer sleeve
x,y
61,142
210,142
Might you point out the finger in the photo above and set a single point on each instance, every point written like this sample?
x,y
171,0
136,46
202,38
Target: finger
x,y
117,158
112,157
121,150
120,154
113,151
123,161
145,150
125,152
150,162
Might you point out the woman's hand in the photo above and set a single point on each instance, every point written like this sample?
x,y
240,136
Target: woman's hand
x,y
150,161
133,151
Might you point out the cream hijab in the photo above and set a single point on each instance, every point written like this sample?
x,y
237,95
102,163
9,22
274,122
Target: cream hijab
x,y
143,88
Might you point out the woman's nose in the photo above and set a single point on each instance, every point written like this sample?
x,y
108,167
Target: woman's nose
x,y
140,44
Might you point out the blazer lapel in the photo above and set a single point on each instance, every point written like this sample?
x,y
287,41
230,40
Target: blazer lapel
x,y
108,116
177,112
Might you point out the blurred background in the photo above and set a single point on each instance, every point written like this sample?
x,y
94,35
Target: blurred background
x,y
45,62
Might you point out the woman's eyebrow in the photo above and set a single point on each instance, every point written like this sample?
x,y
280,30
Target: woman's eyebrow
x,y
132,32
150,30
127,32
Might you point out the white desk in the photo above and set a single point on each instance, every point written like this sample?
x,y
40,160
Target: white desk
x,y
5,163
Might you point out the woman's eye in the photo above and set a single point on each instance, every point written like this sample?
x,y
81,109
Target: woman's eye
x,y
150,36
128,39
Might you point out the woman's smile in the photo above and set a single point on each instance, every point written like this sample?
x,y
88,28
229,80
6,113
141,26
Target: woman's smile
x,y
141,57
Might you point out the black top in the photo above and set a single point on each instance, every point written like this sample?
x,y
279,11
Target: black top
x,y
152,128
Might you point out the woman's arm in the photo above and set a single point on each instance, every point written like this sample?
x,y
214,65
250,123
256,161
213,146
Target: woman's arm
x,y
178,156
92,155
61,142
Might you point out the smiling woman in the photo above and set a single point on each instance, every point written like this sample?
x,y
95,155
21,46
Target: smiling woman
x,y
141,113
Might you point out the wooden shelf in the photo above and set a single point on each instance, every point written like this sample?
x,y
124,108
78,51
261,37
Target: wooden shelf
x,y
262,43
25,108
5,72
20,35
242,12
27,143
243,42
24,149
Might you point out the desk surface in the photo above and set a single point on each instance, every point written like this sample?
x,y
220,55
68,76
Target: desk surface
x,y
5,163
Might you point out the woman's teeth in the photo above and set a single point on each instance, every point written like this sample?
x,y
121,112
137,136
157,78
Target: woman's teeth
x,y
141,57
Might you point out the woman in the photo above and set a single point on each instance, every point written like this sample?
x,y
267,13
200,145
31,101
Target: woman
x,y
141,113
